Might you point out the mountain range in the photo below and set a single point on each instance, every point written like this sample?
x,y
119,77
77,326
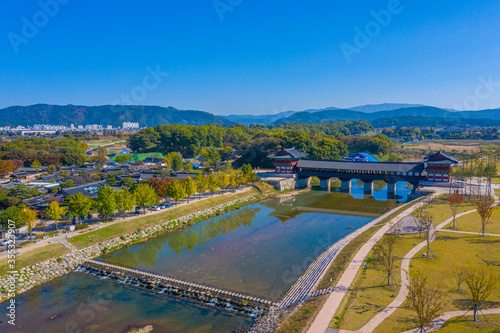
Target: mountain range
x,y
380,114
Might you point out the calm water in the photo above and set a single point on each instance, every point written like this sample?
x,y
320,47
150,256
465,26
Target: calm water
x,y
260,249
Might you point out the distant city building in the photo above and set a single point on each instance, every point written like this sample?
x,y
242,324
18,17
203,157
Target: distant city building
x,y
129,125
93,127
109,127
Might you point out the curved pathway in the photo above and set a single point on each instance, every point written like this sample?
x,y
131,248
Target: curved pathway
x,y
441,320
325,315
403,291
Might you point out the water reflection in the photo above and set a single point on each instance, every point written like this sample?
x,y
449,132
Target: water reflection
x,y
250,249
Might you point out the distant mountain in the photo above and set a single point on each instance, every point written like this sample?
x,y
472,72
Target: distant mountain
x,y
410,121
268,119
262,119
104,115
422,111
369,108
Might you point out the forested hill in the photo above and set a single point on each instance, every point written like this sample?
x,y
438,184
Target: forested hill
x,y
104,115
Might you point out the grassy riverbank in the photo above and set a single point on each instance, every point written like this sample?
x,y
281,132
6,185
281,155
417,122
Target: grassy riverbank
x,y
34,256
450,252
126,227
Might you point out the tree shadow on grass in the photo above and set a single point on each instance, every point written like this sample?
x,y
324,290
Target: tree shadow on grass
x,y
465,304
366,307
485,240
446,237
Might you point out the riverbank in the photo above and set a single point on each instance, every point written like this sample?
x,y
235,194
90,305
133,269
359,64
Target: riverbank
x,y
112,237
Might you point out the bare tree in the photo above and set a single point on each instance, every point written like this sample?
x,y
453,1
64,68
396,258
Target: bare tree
x,y
484,207
454,201
481,281
459,274
385,252
426,298
428,229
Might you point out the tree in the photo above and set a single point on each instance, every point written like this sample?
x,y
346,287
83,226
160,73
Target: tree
x,y
125,201
384,249
122,158
6,167
428,228
427,299
36,165
27,216
248,172
176,190
481,281
459,274
177,162
160,185
55,212
51,168
127,182
211,155
201,183
213,184
79,205
454,201
63,173
189,187
68,183
223,180
105,201
145,196
484,207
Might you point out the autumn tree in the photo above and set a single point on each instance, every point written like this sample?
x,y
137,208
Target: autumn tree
x,y
480,280
454,201
27,216
248,172
189,187
145,196
385,252
223,180
56,211
426,298
484,207
36,165
6,167
160,185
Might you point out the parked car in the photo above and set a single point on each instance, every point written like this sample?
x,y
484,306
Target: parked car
x,y
138,210
45,237
165,205
154,208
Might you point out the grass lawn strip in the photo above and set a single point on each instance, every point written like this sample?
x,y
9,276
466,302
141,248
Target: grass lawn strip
x,y
34,256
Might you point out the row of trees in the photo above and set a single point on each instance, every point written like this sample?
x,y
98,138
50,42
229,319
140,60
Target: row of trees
x,y
255,142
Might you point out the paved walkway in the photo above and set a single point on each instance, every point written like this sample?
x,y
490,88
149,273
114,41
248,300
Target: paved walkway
x,y
441,320
331,305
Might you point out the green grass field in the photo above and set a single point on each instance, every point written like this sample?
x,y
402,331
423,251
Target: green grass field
x,y
450,251
472,222
136,157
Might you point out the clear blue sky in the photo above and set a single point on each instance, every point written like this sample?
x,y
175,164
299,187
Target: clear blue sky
x,y
262,57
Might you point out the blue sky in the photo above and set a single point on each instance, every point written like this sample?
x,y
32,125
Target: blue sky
x,y
250,57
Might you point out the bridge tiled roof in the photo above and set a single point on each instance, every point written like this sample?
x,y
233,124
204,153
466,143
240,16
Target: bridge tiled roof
x,y
363,166
440,158
289,153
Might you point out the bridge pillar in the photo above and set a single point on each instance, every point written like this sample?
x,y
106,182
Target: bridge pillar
x,y
325,184
391,188
368,187
345,185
